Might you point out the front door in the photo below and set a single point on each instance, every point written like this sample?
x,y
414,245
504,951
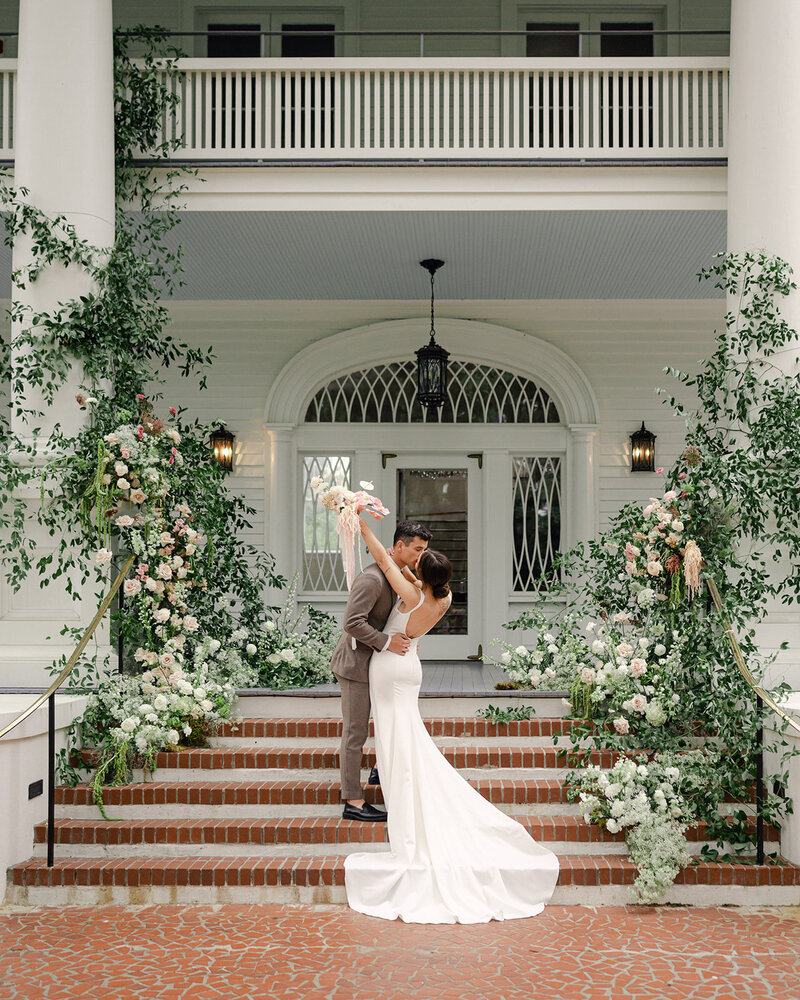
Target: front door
x,y
442,492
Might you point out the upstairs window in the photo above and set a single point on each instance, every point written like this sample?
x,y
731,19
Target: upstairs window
x,y
321,43
552,39
229,46
638,43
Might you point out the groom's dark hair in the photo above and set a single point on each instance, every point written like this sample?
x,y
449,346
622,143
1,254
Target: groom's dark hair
x,y
407,531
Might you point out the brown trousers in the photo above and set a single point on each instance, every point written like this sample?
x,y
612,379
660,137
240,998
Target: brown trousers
x,y
355,729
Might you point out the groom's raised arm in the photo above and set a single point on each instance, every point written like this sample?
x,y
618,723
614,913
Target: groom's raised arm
x,y
363,597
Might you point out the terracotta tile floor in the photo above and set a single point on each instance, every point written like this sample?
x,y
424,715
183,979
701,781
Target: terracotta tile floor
x,y
311,953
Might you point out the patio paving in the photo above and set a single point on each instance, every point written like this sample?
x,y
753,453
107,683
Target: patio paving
x,y
331,953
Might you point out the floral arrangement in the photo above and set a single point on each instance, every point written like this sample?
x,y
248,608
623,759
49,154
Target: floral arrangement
x,y
665,553
648,798
347,505
632,673
294,649
547,662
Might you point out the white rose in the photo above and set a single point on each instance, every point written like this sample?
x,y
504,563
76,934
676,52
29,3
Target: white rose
x,y
506,657
121,469
159,703
200,693
164,571
161,615
598,647
521,650
190,623
206,705
173,736
639,703
128,725
677,525
287,655
131,587
622,726
587,675
167,660
660,649
190,549
151,584
103,557
124,521
250,649
165,538
145,709
214,645
123,484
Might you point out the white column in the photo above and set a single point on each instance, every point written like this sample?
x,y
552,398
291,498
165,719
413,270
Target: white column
x,y
579,486
764,137
764,198
496,543
64,142
284,502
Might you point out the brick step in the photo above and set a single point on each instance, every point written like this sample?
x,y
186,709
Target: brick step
x,y
321,758
332,728
196,799
598,879
297,834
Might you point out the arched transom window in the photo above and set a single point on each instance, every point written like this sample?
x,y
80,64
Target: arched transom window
x,y
387,393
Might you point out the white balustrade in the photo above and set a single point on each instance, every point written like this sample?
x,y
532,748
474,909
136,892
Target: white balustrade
x,y
425,108
8,80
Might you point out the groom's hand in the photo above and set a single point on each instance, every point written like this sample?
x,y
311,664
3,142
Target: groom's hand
x,y
399,644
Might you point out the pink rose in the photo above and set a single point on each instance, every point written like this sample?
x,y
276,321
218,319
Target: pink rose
x,y
638,667
132,587
660,470
622,726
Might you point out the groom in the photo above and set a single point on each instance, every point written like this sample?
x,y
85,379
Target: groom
x,y
368,607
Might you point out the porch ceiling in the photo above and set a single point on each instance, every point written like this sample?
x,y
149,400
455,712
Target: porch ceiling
x,y
489,255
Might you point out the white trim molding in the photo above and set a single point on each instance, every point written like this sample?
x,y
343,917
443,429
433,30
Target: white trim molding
x,y
396,340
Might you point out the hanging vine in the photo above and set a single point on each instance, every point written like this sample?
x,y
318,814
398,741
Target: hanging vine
x,y
116,337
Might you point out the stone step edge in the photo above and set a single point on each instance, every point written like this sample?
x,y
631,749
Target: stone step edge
x,y
580,870
310,830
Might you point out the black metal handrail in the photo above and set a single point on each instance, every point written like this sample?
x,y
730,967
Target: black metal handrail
x,y
49,696
761,696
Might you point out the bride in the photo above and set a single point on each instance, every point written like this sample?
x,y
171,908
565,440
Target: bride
x,y
454,857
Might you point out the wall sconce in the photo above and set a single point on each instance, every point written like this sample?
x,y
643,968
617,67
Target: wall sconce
x,y
643,450
222,442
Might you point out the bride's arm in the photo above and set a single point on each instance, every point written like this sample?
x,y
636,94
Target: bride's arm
x,y
405,590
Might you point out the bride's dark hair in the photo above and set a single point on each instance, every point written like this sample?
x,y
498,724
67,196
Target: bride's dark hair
x,y
434,569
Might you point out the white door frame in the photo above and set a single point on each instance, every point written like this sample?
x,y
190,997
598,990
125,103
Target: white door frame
x,y
575,438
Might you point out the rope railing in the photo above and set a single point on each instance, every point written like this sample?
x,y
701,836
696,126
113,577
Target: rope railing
x,y
50,696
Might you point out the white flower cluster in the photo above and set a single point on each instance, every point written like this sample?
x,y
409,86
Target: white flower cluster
x,y
548,662
644,798
158,710
628,673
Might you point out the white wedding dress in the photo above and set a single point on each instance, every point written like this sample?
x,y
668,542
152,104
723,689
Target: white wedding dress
x,y
453,857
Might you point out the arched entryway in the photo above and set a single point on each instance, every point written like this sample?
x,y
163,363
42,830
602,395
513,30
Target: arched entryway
x,y
505,476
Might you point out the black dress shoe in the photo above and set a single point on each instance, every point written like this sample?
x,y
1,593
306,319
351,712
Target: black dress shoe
x,y
373,778
366,813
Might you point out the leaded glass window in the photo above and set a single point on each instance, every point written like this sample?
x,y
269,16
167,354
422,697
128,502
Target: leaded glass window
x,y
322,565
536,495
477,394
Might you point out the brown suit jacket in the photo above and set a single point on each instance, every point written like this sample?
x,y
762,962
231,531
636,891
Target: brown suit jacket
x,y
368,607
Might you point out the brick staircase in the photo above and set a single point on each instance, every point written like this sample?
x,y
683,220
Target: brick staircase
x,y
256,818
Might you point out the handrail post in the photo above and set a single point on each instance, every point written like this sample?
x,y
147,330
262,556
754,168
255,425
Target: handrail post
x,y
51,778
759,786
421,44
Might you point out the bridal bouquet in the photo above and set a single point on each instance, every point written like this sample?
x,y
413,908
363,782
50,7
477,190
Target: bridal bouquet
x,y
348,505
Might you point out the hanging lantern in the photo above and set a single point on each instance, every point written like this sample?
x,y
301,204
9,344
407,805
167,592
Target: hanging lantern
x,y
432,360
222,442
643,450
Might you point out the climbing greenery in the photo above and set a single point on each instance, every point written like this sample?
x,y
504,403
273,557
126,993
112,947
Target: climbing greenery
x,y
639,648
99,350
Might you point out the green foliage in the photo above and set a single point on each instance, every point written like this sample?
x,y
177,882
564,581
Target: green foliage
x,y
114,336
735,493
502,716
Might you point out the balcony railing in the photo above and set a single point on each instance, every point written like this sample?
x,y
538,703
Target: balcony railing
x,y
441,109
